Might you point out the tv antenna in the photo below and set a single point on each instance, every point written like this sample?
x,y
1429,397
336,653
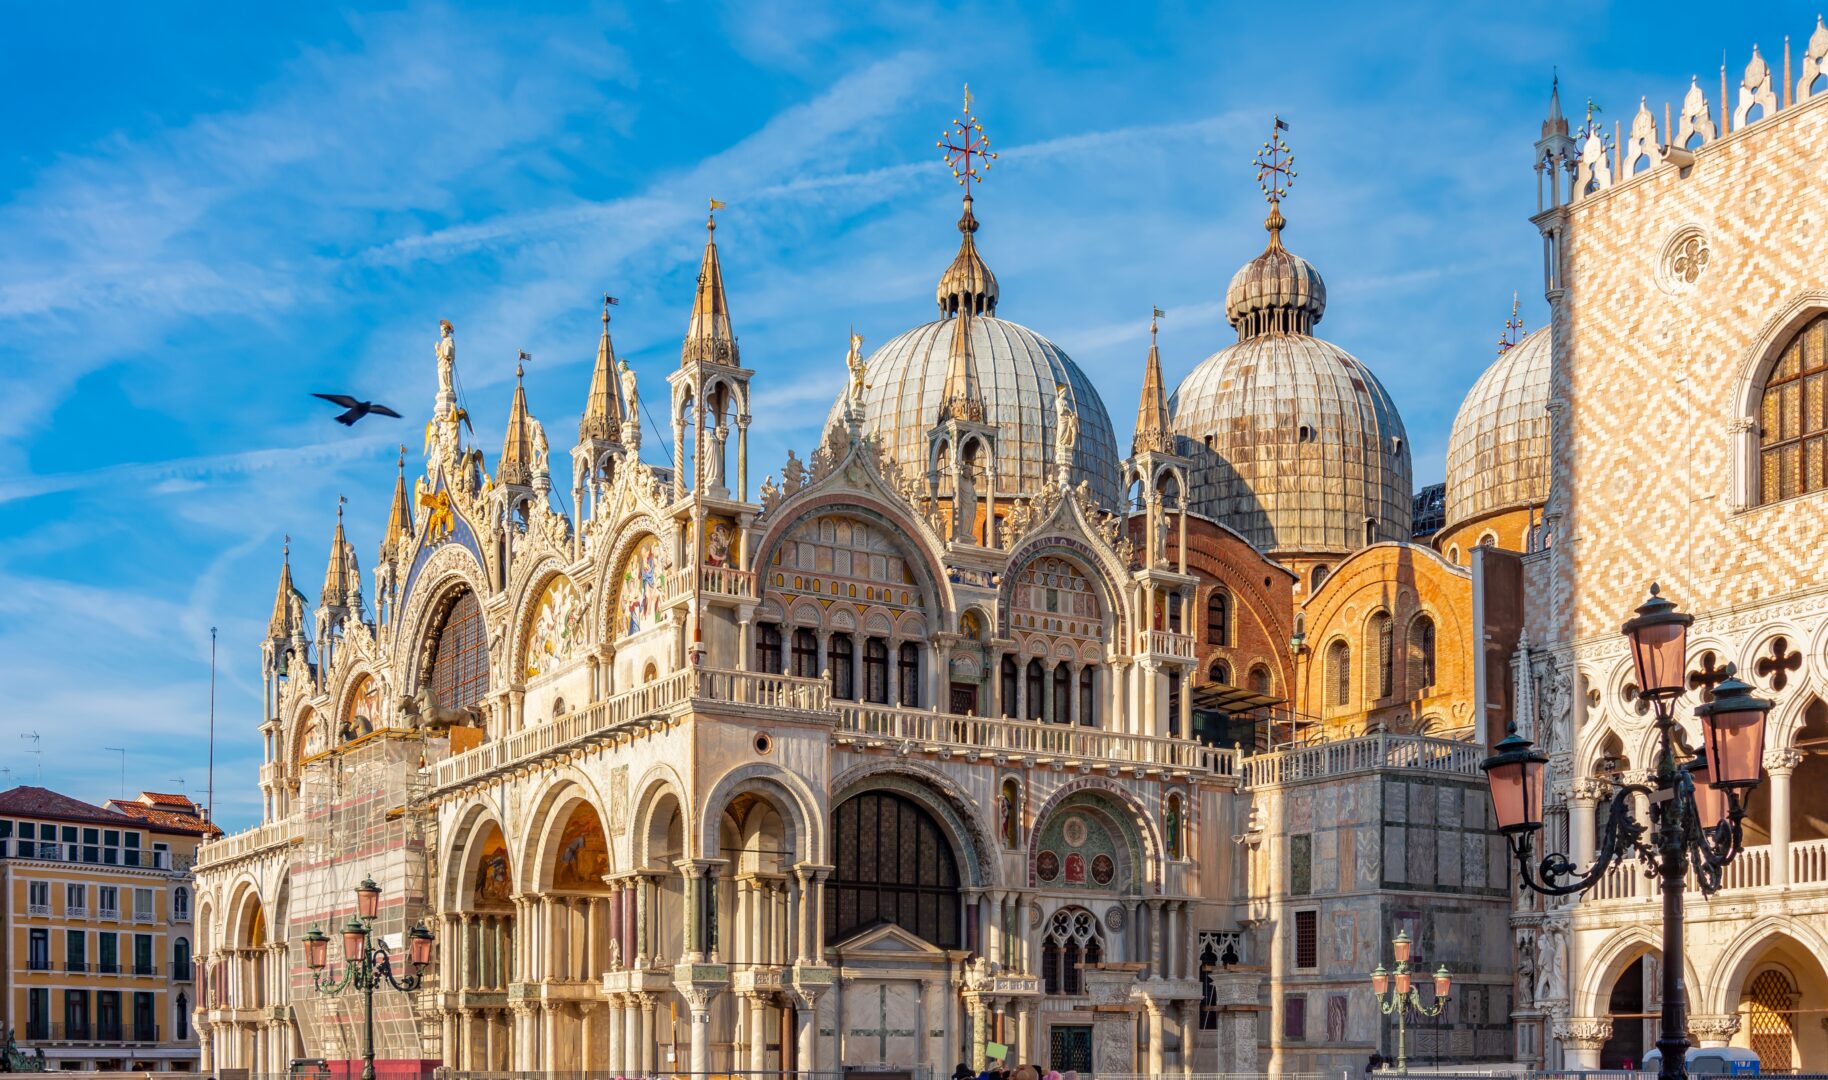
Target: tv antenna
x,y
35,750
122,751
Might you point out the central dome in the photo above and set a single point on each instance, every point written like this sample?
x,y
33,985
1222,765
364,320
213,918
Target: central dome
x,y
1498,453
1017,371
1295,443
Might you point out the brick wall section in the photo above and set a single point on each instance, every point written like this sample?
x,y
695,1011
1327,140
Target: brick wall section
x,y
1262,591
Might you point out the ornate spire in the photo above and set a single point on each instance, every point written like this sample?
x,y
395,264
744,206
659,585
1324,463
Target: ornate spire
x,y
1153,433
342,576
1555,123
967,286
603,405
964,399
280,627
400,515
516,465
708,337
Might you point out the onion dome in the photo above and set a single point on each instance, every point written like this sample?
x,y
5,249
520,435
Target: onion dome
x,y
969,360
1276,292
1498,451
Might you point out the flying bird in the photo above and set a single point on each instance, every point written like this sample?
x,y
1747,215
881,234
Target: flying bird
x,y
356,409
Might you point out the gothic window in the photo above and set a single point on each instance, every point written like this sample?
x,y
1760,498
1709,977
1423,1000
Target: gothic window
x,y
1218,617
1380,636
1035,682
1793,417
1008,667
1421,653
876,671
1074,937
1088,699
768,648
842,660
460,653
908,666
893,865
805,654
1339,672
1063,694
1219,672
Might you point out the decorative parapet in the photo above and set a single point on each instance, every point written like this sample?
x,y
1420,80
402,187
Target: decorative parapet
x,y
1372,753
248,843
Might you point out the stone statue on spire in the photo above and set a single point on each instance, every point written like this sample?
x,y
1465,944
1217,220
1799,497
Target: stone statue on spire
x,y
854,361
630,393
1066,426
447,363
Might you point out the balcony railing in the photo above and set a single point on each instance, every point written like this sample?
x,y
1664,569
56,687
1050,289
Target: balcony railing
x,y
108,914
144,916
90,855
886,725
1371,752
1168,643
38,909
39,963
90,1033
76,965
726,581
662,698
75,911
246,842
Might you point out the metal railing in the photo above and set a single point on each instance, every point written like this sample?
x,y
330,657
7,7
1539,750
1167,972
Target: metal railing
x,y
1365,754
93,1032
882,725
86,854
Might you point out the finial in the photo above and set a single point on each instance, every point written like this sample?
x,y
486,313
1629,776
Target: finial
x,y
710,219
340,501
963,144
520,369
285,550
1154,317
608,302
402,459
1275,164
1513,329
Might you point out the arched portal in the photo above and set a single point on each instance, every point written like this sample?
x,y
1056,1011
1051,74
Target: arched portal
x,y
455,660
894,866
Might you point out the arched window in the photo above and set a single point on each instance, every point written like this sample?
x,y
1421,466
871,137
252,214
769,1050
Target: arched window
x,y
908,667
1381,647
180,960
1421,654
876,671
1317,578
1088,699
1074,936
768,649
805,653
1339,672
460,653
1218,617
180,904
1793,417
841,658
893,865
1219,672
1034,688
1063,694
1010,689
1259,679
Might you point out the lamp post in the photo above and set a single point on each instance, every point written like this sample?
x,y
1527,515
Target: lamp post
x,y
366,965
1403,996
1696,801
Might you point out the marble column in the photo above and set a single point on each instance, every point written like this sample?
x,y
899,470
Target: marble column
x,y
1155,1040
1780,765
758,1032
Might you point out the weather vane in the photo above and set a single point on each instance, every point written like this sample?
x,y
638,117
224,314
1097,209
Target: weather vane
x,y
608,302
967,148
1275,165
1154,317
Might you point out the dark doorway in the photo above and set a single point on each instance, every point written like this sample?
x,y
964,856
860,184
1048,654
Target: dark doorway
x,y
964,699
1069,1047
1625,1050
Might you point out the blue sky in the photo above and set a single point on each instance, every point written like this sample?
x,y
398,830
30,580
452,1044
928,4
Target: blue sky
x,y
209,211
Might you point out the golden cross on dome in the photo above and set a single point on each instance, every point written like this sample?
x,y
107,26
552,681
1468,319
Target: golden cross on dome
x,y
963,142
1513,328
1275,164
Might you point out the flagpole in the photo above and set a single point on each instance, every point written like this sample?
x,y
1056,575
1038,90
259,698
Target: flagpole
x,y
209,811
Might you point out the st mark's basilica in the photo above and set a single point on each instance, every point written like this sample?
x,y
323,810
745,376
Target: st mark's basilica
x,y
977,724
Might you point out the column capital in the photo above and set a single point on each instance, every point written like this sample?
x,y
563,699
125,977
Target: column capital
x,y
1584,1032
1589,790
1714,1029
1782,762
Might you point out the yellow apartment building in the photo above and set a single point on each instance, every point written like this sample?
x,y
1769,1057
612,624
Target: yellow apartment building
x,y
98,935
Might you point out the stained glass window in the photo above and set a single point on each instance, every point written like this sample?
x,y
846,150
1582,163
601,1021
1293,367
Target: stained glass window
x,y
460,657
893,866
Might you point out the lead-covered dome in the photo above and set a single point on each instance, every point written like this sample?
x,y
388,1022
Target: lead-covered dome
x,y
1017,373
1498,452
1295,443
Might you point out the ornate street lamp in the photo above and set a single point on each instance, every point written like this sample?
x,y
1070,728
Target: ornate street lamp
x,y
366,964
1406,996
1696,801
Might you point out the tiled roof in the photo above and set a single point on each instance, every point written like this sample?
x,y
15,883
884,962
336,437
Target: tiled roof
x,y
166,820
160,798
28,801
